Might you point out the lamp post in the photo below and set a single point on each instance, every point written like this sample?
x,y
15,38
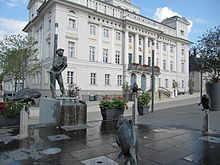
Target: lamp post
x,y
152,82
134,108
55,47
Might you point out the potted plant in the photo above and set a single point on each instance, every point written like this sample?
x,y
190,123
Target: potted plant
x,y
10,113
209,62
191,85
111,109
144,99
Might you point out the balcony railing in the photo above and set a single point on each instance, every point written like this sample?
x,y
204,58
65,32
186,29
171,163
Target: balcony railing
x,y
141,68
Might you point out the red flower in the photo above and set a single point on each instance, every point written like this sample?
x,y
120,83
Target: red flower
x,y
126,107
2,107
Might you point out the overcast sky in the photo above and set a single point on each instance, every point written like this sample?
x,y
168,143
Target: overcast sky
x,y
202,14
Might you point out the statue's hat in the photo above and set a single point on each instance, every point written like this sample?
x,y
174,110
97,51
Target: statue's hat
x,y
59,50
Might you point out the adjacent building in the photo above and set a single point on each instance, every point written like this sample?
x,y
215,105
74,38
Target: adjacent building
x,y
107,43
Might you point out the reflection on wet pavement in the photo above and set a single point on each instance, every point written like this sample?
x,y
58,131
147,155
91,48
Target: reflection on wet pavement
x,y
95,144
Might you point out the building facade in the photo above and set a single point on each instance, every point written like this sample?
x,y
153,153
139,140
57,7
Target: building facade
x,y
107,43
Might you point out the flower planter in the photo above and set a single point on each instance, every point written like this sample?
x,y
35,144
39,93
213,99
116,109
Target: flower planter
x,y
6,121
143,110
111,113
213,90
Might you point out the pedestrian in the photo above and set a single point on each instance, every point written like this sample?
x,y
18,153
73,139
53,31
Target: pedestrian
x,y
159,95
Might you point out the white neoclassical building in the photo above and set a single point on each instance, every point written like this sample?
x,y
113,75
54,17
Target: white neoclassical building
x,y
108,42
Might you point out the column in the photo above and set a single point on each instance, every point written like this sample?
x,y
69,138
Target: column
x,y
125,57
99,50
155,51
168,57
112,47
136,55
161,55
145,51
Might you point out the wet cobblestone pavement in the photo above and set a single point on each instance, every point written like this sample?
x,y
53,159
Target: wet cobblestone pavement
x,y
96,145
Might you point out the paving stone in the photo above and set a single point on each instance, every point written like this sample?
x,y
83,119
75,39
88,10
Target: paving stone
x,y
181,162
58,137
101,160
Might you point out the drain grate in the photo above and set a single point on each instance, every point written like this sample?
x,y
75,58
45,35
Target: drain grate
x,y
101,160
210,139
58,137
51,151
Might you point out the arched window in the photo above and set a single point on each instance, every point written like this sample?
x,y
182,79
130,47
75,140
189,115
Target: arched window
x,y
133,78
143,82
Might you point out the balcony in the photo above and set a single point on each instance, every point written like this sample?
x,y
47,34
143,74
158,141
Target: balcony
x,y
143,68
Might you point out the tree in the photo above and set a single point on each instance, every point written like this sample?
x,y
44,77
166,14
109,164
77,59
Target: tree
x,y
18,58
208,47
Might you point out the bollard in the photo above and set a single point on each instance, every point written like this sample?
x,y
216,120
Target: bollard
x,y
23,124
205,128
134,110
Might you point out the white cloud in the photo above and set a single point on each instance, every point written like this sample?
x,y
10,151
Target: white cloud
x,y
14,3
11,26
166,12
200,21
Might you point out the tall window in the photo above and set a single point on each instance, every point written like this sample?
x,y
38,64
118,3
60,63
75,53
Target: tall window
x,y
130,39
182,32
129,58
183,84
140,59
182,51
166,83
72,23
119,80
107,79
171,49
93,79
164,48
118,36
71,49
70,77
148,44
182,67
48,49
49,24
92,29
105,55
171,65
106,33
157,62
140,41
117,57
164,64
91,53
149,61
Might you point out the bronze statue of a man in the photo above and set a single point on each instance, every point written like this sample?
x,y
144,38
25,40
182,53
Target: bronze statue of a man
x,y
59,64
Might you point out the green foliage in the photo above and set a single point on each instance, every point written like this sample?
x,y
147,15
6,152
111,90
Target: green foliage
x,y
116,102
208,48
18,57
126,88
144,99
10,108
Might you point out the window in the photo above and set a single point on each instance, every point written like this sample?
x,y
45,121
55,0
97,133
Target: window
x,y
119,80
157,45
183,84
93,79
129,58
182,67
164,48
182,32
130,39
70,77
107,79
164,64
71,49
72,23
149,60
118,36
171,49
105,55
171,65
106,33
166,83
117,57
91,53
92,29
49,24
182,51
140,59
148,43
139,41
157,62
